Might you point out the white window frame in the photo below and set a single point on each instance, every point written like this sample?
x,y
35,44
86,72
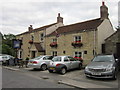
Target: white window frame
x,y
54,40
53,53
78,39
32,37
78,55
41,37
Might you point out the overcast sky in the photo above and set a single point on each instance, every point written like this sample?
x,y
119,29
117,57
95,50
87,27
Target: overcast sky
x,y
17,15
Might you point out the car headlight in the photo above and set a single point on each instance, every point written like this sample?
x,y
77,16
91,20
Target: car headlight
x,y
110,69
86,69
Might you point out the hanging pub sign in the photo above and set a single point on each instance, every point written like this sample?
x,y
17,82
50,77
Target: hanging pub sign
x,y
17,43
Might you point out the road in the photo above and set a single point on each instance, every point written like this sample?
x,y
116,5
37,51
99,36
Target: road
x,y
13,79
51,80
77,75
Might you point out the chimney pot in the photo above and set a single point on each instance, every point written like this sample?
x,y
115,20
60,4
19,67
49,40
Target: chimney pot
x,y
58,14
30,28
103,3
59,18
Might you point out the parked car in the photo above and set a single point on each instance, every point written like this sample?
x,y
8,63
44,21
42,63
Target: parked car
x,y
40,62
63,63
6,59
102,66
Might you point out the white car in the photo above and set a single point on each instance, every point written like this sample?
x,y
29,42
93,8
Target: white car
x,y
41,62
5,57
63,63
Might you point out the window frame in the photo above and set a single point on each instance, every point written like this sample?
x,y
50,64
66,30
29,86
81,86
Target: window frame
x,y
76,54
77,38
41,36
54,40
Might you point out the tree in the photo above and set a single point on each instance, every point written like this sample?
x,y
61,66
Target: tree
x,y
7,45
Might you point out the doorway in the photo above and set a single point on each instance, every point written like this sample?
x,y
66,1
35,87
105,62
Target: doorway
x,y
118,49
33,54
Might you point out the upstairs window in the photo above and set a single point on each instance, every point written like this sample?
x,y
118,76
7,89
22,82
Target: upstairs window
x,y
78,54
21,38
32,37
41,37
77,38
54,40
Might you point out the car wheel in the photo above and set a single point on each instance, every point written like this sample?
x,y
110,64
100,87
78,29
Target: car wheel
x,y
63,71
115,76
43,67
80,66
50,71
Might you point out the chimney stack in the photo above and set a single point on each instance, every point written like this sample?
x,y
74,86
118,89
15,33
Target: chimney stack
x,y
30,28
59,19
104,11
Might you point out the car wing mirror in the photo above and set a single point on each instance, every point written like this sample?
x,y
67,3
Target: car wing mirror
x,y
116,59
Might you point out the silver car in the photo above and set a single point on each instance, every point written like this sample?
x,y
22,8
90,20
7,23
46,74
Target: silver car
x,y
40,62
102,66
63,63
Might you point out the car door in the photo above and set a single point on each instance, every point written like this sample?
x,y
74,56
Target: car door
x,y
74,63
67,63
47,59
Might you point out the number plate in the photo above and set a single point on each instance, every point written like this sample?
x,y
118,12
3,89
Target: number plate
x,y
52,68
96,73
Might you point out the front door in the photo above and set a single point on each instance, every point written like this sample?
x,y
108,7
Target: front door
x,y
33,54
118,49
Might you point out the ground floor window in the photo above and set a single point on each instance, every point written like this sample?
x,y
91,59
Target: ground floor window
x,y
20,54
54,53
78,55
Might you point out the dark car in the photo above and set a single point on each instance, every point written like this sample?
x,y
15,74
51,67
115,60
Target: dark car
x,y
102,66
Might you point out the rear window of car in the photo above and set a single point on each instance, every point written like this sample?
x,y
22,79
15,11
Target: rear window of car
x,y
72,59
66,59
48,58
56,59
38,58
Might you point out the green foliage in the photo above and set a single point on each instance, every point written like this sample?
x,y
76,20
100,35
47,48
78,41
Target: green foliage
x,y
6,44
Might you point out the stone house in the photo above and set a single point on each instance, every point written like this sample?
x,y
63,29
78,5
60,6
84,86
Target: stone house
x,y
112,44
33,40
81,40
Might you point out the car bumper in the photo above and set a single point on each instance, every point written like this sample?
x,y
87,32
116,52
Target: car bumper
x,y
100,75
55,69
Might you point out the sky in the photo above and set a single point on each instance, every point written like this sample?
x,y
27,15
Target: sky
x,y
17,15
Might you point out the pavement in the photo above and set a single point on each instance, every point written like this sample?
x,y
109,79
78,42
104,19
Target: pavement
x,y
71,79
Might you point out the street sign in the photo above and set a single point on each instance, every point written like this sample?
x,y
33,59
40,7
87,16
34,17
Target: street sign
x,y
16,43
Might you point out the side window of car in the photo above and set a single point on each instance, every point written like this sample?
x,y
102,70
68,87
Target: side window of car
x,y
44,58
66,59
72,59
49,57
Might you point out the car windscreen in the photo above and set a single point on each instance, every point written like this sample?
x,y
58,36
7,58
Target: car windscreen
x,y
56,59
106,58
37,58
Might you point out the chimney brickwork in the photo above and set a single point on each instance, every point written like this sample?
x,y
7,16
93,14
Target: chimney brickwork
x,y
104,11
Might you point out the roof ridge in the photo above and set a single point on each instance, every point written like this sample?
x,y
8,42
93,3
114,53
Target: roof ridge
x,y
45,26
88,25
81,22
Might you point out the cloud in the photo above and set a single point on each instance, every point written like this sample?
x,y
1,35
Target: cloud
x,y
17,15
